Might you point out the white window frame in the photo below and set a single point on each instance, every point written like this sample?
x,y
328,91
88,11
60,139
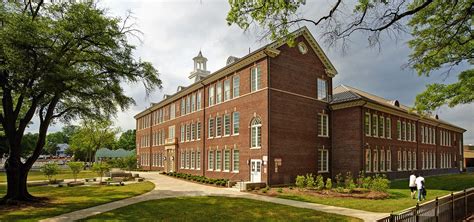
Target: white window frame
x,y
256,132
323,125
227,90
368,124
323,163
235,86
234,161
235,123
322,89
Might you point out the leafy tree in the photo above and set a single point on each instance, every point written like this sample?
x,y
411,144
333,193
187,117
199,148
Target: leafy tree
x,y
130,163
101,168
52,141
76,168
60,62
442,35
91,136
49,170
127,140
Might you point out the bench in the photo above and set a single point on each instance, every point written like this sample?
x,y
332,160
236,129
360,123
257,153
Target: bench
x,y
90,179
116,180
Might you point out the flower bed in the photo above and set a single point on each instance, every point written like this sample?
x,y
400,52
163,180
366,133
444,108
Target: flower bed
x,y
199,179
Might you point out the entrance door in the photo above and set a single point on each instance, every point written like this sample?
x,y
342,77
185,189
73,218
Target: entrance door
x,y
170,161
256,171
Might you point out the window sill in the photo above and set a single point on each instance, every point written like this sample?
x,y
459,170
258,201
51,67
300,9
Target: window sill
x,y
226,135
210,170
235,134
255,148
225,171
235,171
323,136
323,171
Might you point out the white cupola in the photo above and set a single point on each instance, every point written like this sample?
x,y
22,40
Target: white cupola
x,y
200,69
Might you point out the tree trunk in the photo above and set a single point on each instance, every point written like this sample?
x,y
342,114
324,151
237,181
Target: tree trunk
x,y
17,188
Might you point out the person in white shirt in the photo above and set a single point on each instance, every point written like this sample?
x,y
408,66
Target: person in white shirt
x,y
420,185
412,185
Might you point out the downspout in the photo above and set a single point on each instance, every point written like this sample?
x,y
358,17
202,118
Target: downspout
x,y
203,131
268,125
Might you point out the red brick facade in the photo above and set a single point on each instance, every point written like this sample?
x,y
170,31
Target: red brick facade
x,y
293,138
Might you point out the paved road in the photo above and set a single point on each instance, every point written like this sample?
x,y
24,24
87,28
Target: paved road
x,y
167,187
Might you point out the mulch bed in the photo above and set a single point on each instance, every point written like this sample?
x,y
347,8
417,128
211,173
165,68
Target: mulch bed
x,y
359,194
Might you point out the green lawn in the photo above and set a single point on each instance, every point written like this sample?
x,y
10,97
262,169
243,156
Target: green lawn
x,y
399,194
68,199
63,174
214,209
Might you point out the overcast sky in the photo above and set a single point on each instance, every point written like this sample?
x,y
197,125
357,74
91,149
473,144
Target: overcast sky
x,y
175,31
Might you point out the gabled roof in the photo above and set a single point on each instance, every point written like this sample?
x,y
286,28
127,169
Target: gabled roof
x,y
345,93
267,50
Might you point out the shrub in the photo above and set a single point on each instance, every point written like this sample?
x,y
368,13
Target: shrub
x,y
349,181
75,167
300,182
366,182
319,182
265,190
339,180
380,183
101,168
360,179
329,184
310,182
49,170
280,190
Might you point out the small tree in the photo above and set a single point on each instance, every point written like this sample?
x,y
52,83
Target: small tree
x,y
101,168
49,170
75,167
329,184
130,163
319,182
300,182
310,183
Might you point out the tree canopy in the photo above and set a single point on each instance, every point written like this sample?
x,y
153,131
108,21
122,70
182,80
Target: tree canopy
x,y
61,62
442,35
127,140
91,136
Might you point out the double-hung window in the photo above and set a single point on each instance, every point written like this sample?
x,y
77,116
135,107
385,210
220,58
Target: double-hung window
x,y
323,125
255,78
323,164
368,160
193,102
211,95
226,124
399,130
235,123
374,125
172,111
183,133
198,101
218,160
227,94
218,126
235,160
183,107
210,160
198,130
236,86
322,89
381,126
218,92
227,160
367,124
211,128
256,133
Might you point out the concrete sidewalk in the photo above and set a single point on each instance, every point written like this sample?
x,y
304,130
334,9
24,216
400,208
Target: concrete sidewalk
x,y
168,187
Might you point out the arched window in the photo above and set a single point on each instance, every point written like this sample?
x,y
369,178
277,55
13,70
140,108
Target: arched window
x,y
256,133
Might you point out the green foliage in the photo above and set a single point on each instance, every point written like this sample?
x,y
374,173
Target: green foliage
x,y
310,182
349,181
328,183
300,182
319,182
367,182
76,168
49,170
28,144
280,190
100,168
380,183
130,163
201,179
339,180
127,140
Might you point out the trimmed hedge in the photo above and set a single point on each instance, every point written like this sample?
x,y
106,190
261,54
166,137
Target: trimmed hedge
x,y
199,179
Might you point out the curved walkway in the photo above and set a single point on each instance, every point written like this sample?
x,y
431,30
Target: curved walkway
x,y
168,187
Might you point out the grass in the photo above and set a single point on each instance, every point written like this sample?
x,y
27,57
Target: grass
x,y
63,174
68,199
400,198
214,209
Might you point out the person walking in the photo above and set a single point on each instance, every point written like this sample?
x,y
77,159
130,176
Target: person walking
x,y
412,184
420,185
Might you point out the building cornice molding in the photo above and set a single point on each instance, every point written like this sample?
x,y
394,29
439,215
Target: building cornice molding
x,y
347,105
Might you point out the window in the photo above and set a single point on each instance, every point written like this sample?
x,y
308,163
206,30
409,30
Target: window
x,y
171,132
399,130
404,131
218,160
227,160
376,160
193,131
422,134
236,86
183,107
389,160
218,92
413,132
256,133
198,160
182,160
409,161
368,160
198,130
211,128
374,125
434,136
172,111
405,160
193,102
388,126
367,124
399,160
408,132
255,79
323,125
323,164
218,126
188,132
227,95
235,123
211,95
188,104
198,101
382,160
381,126
413,156
210,160
183,135
193,160
235,160
322,90
226,124
188,159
